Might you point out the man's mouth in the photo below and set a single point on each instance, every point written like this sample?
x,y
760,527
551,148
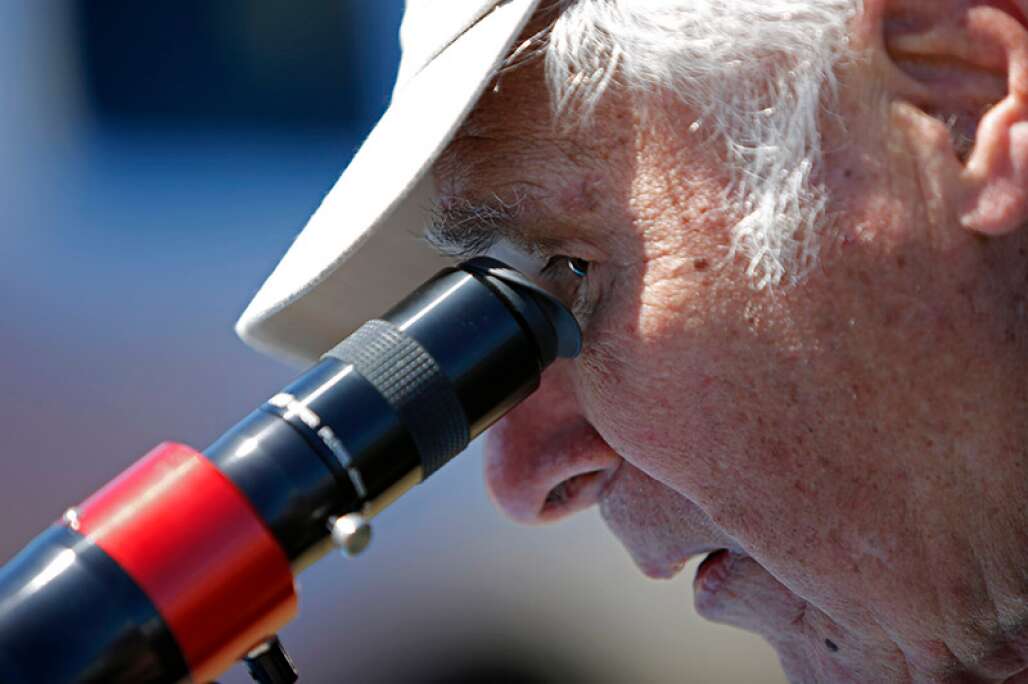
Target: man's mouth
x,y
712,575
712,571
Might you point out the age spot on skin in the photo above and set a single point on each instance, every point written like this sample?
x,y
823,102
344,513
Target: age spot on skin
x,y
700,264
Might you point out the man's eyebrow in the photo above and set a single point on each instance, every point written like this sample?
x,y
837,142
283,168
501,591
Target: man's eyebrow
x,y
463,228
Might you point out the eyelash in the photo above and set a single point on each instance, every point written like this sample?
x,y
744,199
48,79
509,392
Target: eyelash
x,y
573,272
578,267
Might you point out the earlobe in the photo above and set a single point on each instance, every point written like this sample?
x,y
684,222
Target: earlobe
x,y
995,179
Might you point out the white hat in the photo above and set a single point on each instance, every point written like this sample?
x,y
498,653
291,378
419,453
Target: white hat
x,y
362,250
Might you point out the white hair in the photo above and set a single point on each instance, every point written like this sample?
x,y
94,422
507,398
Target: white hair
x,y
757,73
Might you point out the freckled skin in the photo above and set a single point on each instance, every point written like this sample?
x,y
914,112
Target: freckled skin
x,y
858,441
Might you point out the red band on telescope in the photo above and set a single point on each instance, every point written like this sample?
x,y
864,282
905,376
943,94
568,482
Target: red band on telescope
x,y
193,543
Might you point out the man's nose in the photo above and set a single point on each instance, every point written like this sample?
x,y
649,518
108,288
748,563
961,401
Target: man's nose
x,y
544,460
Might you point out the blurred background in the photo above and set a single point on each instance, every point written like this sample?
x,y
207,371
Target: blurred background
x,y
158,158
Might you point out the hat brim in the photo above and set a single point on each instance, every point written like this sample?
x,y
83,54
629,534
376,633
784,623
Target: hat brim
x,y
362,250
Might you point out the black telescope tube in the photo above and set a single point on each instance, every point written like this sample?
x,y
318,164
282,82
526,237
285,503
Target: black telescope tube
x,y
78,617
395,401
381,411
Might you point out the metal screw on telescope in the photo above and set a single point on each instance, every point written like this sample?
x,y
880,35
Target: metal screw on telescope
x,y
350,533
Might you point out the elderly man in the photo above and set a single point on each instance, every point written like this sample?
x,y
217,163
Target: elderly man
x,y
793,232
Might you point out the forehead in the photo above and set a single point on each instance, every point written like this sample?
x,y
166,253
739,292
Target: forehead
x,y
625,185
511,147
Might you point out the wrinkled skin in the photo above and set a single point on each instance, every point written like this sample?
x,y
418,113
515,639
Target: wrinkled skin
x,y
858,442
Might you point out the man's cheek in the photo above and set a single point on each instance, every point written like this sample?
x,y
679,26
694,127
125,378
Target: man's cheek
x,y
630,403
688,408
668,397
670,413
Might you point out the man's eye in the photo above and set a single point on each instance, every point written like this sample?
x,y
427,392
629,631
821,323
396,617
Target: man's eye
x,y
578,267
567,277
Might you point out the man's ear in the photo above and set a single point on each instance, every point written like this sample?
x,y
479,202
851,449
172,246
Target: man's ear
x,y
963,66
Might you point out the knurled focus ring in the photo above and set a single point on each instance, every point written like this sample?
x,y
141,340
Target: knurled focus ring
x,y
414,385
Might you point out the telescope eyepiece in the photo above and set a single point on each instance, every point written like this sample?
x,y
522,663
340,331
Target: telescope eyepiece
x,y
554,328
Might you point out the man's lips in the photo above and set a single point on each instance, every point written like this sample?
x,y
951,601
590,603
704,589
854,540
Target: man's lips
x,y
713,576
713,572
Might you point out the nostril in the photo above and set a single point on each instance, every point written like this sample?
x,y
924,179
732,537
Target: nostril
x,y
540,469
573,494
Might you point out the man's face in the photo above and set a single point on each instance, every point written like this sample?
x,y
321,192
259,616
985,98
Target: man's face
x,y
801,430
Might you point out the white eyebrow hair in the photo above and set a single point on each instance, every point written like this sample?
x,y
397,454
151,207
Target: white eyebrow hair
x,y
462,228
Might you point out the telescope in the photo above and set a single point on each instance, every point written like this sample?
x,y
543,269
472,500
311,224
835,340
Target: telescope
x,y
185,562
